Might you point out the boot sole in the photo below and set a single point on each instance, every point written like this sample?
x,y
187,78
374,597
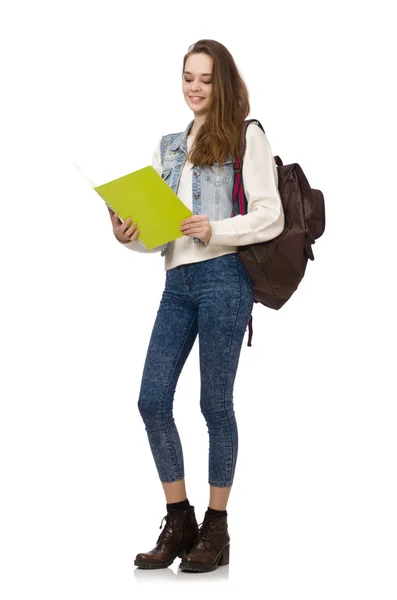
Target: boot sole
x,y
200,568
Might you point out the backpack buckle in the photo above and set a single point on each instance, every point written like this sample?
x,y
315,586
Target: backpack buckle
x,y
237,165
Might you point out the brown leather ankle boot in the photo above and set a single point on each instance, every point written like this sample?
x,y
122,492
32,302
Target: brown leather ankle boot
x,y
180,531
211,548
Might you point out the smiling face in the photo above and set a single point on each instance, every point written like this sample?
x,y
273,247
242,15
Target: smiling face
x,y
197,84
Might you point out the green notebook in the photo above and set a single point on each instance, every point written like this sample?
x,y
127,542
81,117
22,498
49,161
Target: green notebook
x,y
145,197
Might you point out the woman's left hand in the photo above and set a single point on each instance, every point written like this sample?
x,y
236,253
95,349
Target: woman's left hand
x,y
197,226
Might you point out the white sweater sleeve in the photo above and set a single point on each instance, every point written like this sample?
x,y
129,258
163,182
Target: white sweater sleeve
x,y
137,245
265,217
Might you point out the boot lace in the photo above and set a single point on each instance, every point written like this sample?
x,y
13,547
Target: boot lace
x,y
167,530
205,534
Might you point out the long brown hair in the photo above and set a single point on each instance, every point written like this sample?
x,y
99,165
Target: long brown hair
x,y
220,133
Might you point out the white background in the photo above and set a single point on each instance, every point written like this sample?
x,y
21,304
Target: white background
x,y
312,510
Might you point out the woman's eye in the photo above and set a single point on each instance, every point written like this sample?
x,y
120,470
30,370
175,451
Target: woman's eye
x,y
190,80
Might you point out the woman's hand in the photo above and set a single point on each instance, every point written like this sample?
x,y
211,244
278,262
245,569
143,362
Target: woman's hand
x,y
124,232
197,226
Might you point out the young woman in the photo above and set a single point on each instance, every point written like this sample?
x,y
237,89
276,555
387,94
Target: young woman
x,y
207,292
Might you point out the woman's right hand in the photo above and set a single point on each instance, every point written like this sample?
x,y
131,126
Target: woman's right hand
x,y
124,232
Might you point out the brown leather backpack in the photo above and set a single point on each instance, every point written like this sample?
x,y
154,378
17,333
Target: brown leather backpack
x,y
276,267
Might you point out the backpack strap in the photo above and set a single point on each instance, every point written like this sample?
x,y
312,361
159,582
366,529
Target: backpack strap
x,y
238,192
243,142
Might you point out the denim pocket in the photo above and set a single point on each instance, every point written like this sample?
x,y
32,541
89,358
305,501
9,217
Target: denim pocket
x,y
218,178
220,174
218,181
166,174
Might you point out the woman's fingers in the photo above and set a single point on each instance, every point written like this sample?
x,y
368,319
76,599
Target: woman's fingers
x,y
126,231
127,226
131,231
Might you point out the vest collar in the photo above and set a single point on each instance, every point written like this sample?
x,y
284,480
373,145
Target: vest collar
x,y
180,140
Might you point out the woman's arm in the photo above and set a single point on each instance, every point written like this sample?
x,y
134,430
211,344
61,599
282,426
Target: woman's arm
x,y
265,217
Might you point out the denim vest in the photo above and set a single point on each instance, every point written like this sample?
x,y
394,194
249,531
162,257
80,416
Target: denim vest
x,y
212,192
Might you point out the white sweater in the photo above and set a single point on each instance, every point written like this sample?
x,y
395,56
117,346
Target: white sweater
x,y
265,217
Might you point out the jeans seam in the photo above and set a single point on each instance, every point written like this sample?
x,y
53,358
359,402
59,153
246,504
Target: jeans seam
x,y
169,441
227,371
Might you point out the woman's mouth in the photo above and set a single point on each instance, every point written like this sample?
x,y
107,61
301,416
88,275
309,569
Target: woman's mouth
x,y
196,98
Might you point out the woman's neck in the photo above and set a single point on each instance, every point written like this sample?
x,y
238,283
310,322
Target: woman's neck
x,y
197,123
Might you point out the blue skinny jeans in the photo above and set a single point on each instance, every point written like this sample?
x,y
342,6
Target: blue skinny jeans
x,y
213,299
